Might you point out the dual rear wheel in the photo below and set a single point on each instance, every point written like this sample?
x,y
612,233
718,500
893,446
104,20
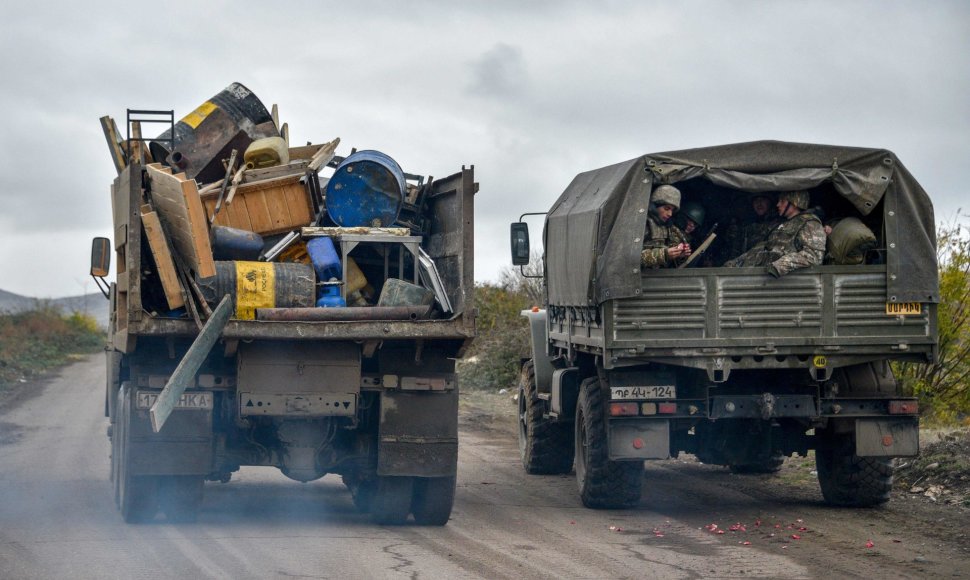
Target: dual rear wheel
x,y
139,497
391,499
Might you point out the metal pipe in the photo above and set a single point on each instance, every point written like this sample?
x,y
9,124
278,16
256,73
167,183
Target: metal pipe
x,y
350,313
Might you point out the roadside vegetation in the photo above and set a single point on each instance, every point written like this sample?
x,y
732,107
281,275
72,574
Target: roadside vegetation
x,y
34,341
495,358
942,387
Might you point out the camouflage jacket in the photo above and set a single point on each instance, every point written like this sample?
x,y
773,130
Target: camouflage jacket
x,y
751,233
657,237
796,243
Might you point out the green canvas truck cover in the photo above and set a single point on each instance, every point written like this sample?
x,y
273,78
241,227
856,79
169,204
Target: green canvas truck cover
x,y
593,233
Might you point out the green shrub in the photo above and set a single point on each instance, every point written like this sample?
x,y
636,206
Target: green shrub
x,y
494,360
34,341
942,387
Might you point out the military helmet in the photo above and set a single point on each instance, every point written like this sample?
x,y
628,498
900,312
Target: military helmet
x,y
666,195
799,199
694,211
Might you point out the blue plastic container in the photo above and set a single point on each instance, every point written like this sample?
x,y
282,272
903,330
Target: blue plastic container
x,y
330,297
324,257
366,190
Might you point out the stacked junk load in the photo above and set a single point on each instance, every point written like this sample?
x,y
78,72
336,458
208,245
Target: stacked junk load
x,y
281,306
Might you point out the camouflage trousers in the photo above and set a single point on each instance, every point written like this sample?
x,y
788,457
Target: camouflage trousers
x,y
755,257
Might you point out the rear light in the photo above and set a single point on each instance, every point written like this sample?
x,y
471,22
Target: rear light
x,y
648,408
903,407
623,409
667,408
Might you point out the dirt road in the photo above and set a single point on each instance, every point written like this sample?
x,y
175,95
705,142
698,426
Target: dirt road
x,y
57,519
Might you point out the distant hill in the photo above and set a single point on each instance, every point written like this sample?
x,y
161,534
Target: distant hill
x,y
94,305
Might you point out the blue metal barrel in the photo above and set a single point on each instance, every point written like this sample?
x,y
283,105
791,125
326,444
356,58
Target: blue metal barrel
x,y
366,190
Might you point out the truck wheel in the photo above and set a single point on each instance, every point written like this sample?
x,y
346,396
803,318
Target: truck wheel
x,y
136,493
392,500
114,434
603,484
847,479
180,496
771,465
433,499
545,446
361,491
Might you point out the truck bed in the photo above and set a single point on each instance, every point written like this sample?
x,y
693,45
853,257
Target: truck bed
x,y
744,318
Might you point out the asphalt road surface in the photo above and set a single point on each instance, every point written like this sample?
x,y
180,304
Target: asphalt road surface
x,y
57,517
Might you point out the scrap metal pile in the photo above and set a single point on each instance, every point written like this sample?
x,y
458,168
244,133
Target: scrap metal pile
x,y
228,207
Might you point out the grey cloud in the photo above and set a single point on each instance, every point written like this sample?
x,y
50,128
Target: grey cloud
x,y
499,72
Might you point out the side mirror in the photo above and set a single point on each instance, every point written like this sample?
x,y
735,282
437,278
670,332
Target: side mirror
x,y
100,257
520,243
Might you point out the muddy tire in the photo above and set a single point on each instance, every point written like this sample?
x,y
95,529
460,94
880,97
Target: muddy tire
x,y
136,494
603,484
391,503
432,500
546,446
847,479
771,465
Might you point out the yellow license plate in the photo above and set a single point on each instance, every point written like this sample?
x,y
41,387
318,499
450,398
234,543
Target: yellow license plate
x,y
903,308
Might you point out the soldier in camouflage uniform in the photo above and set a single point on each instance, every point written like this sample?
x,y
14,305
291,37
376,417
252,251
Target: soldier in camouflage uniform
x,y
744,234
663,242
797,242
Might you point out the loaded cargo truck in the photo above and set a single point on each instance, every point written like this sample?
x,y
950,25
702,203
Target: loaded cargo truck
x,y
366,391
733,365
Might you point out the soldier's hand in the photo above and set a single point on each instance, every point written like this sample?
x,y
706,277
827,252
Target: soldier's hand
x,y
678,251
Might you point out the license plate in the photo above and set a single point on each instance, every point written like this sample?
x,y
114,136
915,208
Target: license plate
x,y
649,392
145,400
903,308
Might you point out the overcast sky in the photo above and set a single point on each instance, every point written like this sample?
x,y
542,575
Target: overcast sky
x,y
531,93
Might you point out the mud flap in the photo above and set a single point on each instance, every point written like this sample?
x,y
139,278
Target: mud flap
x,y
183,447
639,439
418,434
887,437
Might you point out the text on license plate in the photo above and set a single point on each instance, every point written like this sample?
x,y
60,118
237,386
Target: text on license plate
x,y
145,400
649,392
898,308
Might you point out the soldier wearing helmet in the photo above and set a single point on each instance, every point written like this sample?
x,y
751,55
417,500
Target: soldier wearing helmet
x,y
663,242
797,242
690,217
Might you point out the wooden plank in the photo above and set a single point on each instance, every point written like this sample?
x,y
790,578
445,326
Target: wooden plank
x,y
136,149
114,143
293,168
324,155
180,210
200,229
298,204
276,207
310,232
255,202
163,258
190,364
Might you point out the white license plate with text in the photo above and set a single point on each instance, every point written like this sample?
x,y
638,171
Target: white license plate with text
x,y
649,392
145,400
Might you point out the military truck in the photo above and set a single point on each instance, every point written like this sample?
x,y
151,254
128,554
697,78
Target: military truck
x,y
732,365
365,392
